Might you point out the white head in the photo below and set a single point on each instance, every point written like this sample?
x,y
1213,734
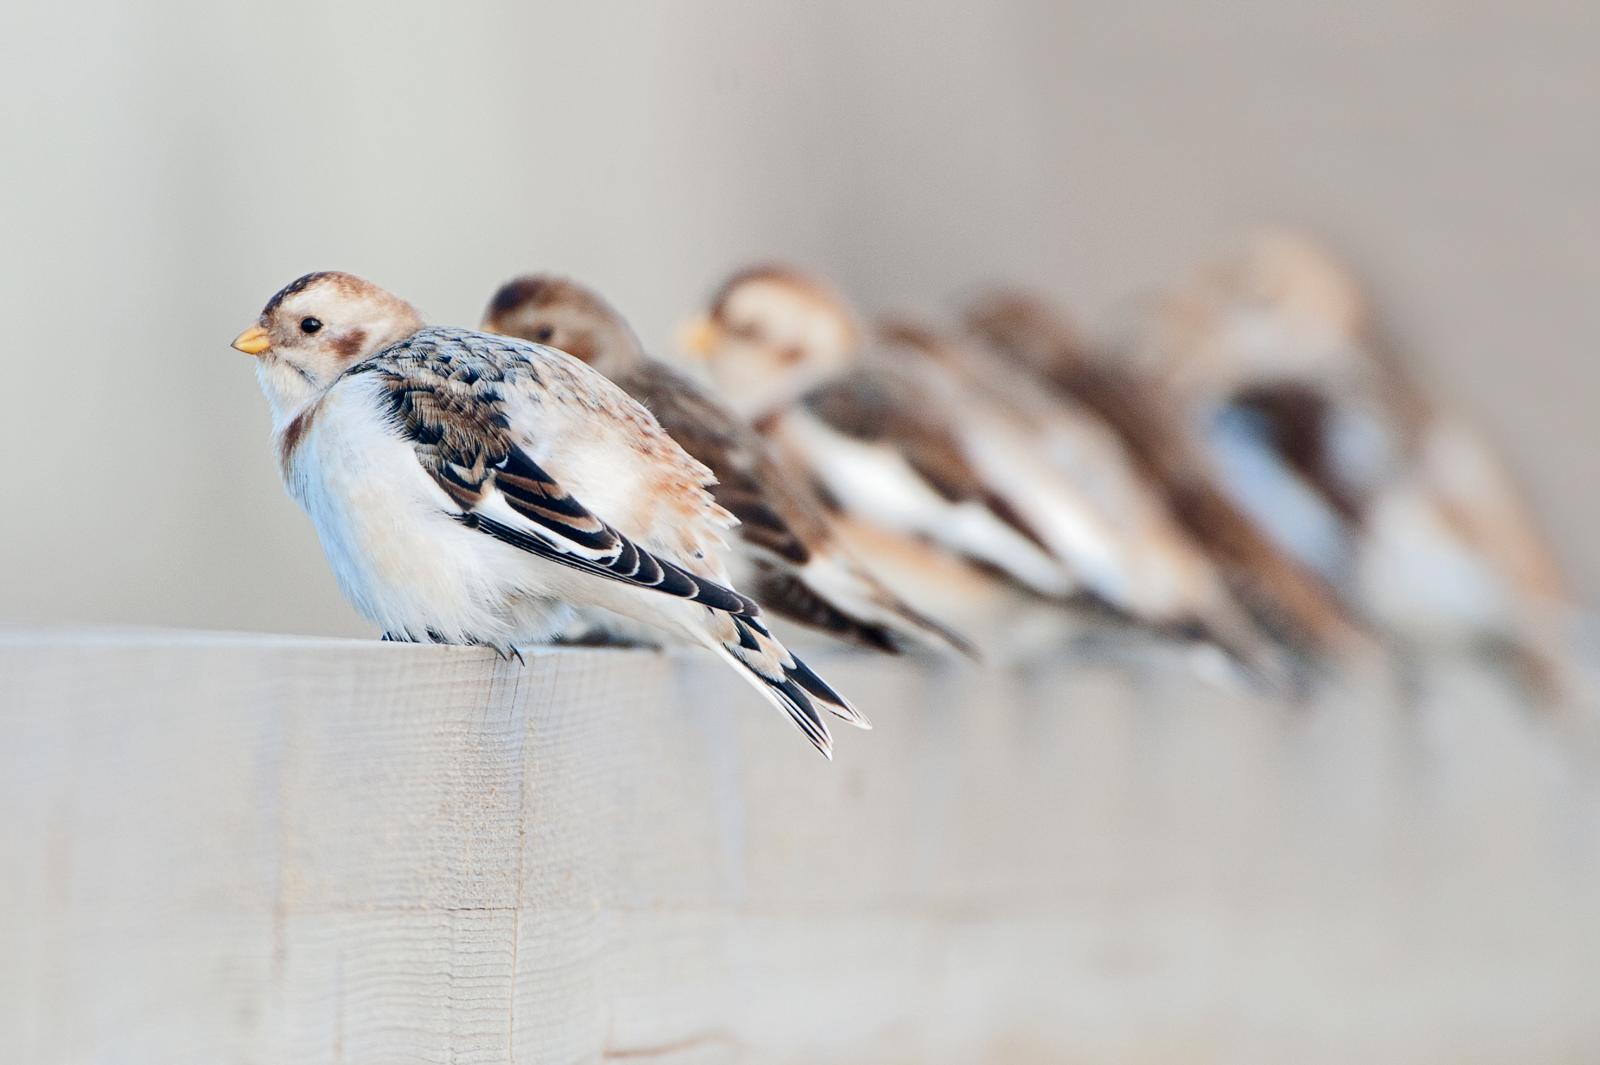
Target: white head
x,y
563,314
1296,277
771,335
316,327
1281,307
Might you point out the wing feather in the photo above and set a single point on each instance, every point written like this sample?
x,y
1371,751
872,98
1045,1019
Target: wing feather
x,y
459,428
877,404
749,483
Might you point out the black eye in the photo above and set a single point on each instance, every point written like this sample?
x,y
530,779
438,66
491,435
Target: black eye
x,y
543,334
309,325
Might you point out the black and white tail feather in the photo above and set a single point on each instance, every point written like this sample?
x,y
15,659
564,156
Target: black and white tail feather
x,y
588,544
788,682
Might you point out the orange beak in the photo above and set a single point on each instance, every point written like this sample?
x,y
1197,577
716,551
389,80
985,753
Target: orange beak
x,y
698,337
253,341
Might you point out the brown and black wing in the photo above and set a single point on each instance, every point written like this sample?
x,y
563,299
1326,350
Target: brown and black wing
x,y
779,512
1283,594
877,405
455,418
750,483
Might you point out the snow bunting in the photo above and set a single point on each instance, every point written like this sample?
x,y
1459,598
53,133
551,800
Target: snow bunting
x,y
472,489
887,444
790,558
1339,448
1079,482
907,434
1280,592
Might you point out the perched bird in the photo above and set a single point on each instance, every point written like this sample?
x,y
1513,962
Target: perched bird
x,y
789,555
889,445
1156,571
1348,458
907,433
473,489
1284,595
1262,349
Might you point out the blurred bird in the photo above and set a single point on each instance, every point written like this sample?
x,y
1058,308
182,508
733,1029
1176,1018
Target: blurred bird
x,y
472,489
923,446
1360,471
1007,623
885,444
1280,592
1065,452
790,558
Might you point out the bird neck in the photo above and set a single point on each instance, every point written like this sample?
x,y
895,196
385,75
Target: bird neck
x,y
288,390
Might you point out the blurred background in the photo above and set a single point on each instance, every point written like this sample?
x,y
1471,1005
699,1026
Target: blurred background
x,y
171,164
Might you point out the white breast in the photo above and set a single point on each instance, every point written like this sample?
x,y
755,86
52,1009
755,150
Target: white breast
x,y
1419,577
387,530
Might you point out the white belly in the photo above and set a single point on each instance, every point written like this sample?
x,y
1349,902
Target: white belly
x,y
397,553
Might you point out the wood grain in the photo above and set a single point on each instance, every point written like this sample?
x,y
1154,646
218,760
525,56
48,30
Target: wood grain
x,y
226,848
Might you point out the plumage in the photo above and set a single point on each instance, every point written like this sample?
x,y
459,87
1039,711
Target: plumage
x,y
1275,347
451,393
889,447
790,559
1281,592
1108,516
907,438
474,489
883,404
1008,623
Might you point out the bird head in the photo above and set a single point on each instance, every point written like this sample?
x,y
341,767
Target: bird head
x,y
563,314
1279,308
1293,275
771,334
1027,327
316,327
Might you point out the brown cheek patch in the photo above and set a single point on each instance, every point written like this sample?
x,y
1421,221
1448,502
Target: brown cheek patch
x,y
349,345
293,433
581,347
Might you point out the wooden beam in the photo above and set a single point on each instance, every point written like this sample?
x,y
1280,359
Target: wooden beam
x,y
236,848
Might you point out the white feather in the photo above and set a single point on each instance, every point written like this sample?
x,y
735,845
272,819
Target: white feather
x,y
397,554
876,482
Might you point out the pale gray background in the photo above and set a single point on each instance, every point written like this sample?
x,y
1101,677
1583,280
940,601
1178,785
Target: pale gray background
x,y
168,165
